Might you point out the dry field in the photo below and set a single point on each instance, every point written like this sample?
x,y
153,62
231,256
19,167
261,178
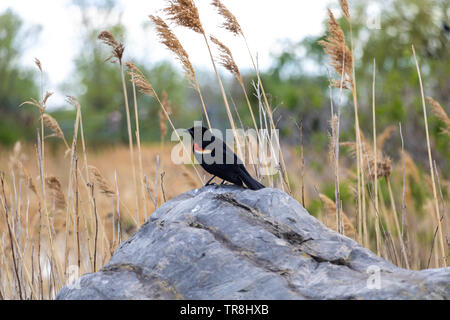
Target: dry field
x,y
64,210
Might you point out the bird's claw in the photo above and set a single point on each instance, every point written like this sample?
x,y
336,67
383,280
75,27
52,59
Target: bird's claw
x,y
210,184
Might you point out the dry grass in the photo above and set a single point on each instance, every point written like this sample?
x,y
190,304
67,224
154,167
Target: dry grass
x,y
184,13
109,204
162,119
340,55
330,220
443,257
60,213
231,23
117,47
170,40
440,113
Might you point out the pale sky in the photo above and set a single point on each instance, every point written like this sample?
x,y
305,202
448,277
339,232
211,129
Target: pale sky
x,y
265,23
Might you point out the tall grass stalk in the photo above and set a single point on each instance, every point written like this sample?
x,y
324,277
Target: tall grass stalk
x,y
117,53
402,234
359,166
227,61
87,179
375,156
73,102
138,142
146,88
430,159
224,97
170,40
130,140
10,233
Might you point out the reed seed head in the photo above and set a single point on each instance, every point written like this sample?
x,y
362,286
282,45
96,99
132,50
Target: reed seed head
x,y
231,24
53,125
440,113
184,13
117,47
138,78
341,57
101,182
55,188
37,62
170,40
384,136
345,9
44,101
226,59
383,163
73,101
41,105
329,207
27,177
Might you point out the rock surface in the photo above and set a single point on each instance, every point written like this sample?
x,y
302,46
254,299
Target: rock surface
x,y
230,243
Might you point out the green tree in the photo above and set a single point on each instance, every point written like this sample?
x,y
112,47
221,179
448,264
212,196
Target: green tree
x,y
17,83
98,86
299,75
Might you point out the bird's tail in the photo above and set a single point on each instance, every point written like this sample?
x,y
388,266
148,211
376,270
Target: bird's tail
x,y
249,181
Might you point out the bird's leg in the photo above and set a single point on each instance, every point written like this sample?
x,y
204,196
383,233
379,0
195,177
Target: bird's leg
x,y
225,183
209,181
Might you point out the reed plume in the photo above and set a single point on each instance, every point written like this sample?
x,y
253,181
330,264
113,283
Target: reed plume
x,y
184,13
117,47
37,62
341,57
384,136
440,113
345,9
138,78
101,182
226,59
384,164
231,24
53,125
54,186
73,101
41,105
329,207
29,180
170,40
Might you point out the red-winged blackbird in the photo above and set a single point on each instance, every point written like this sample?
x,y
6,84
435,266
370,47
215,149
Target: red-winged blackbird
x,y
219,160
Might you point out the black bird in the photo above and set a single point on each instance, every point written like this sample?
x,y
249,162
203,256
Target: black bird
x,y
219,160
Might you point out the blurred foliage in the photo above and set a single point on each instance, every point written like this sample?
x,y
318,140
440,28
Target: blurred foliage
x,y
98,85
17,84
299,80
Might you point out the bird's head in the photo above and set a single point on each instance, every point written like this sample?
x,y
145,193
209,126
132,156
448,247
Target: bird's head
x,y
200,131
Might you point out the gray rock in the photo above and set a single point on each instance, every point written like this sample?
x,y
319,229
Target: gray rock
x,y
230,243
